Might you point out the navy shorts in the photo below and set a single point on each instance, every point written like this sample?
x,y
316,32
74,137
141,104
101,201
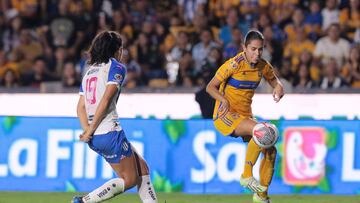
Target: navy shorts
x,y
113,146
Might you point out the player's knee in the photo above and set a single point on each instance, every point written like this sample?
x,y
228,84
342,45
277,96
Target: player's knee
x,y
130,181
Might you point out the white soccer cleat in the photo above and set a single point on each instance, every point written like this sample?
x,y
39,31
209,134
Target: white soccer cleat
x,y
252,184
258,199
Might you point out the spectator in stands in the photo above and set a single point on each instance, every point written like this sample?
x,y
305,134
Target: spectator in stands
x,y
313,20
294,48
297,22
70,78
249,10
307,59
188,9
182,45
57,63
10,78
350,18
280,11
332,46
38,74
186,70
202,49
273,47
61,29
6,64
28,49
232,21
209,66
133,71
330,14
200,23
264,21
28,11
149,59
357,35
351,70
161,22
120,25
286,70
234,46
303,80
2,27
331,79
11,34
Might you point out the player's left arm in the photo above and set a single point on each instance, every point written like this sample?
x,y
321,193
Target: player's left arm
x,y
115,80
81,113
100,112
274,81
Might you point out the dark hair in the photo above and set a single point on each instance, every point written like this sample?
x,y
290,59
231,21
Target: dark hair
x,y
253,35
104,46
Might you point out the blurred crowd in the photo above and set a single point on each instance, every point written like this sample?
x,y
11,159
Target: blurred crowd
x,y
171,43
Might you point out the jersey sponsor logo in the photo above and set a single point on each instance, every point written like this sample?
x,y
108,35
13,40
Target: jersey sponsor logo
x,y
109,156
235,116
234,64
103,193
118,77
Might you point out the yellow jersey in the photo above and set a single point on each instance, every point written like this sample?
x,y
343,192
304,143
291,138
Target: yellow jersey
x,y
239,79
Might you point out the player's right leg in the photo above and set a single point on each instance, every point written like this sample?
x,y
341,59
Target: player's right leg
x,y
135,172
245,128
266,173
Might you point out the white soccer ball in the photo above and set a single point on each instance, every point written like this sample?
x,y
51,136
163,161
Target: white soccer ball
x,y
265,135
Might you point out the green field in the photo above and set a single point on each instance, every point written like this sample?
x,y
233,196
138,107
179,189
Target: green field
x,y
27,197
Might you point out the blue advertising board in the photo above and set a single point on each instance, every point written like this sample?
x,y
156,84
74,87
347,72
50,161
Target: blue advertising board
x,y
314,157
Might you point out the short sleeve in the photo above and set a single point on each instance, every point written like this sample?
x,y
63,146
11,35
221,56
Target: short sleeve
x,y
81,91
228,68
117,73
268,72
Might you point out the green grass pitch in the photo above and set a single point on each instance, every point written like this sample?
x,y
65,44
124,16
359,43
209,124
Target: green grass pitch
x,y
43,197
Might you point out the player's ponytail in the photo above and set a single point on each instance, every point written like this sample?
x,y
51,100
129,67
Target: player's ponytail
x,y
253,35
104,46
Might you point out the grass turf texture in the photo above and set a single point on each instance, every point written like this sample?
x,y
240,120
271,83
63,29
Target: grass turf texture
x,y
54,197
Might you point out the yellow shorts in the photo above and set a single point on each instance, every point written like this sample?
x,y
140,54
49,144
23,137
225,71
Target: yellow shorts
x,y
227,124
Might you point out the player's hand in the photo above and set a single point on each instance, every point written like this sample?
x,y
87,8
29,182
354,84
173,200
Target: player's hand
x,y
278,93
86,135
224,108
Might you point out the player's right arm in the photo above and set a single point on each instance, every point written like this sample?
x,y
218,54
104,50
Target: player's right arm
x,y
222,74
213,89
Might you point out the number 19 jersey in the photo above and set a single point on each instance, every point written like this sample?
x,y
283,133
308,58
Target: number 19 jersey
x,y
93,86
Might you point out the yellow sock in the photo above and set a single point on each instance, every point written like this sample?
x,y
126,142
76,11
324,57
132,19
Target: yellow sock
x,y
252,154
267,169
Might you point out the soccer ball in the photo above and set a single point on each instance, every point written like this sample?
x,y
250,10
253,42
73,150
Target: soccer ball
x,y
265,135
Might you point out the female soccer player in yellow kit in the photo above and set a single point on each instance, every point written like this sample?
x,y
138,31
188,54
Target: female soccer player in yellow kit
x,y
233,87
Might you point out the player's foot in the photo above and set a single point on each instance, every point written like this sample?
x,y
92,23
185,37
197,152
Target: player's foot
x,y
258,199
252,184
77,200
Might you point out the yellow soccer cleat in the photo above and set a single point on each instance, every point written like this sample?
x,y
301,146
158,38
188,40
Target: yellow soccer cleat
x,y
252,184
258,199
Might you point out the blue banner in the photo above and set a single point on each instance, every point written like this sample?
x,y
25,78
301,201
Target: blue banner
x,y
314,157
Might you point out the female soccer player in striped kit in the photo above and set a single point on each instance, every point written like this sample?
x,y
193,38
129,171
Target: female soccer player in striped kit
x,y
233,87
96,109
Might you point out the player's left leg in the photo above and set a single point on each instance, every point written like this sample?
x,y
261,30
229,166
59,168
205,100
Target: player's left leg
x,y
266,173
145,187
245,129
